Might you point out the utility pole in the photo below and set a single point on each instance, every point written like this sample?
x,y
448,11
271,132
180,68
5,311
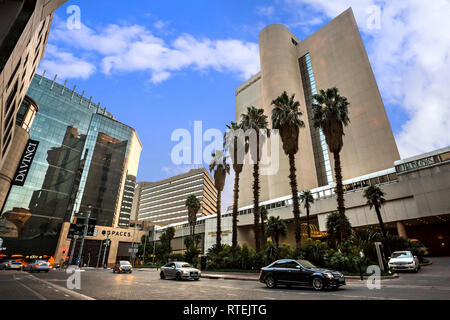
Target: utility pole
x,y
145,244
104,252
85,230
72,252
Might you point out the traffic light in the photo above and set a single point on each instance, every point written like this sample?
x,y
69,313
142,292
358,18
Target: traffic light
x,y
64,251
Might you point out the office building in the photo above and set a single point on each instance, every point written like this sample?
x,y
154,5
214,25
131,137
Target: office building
x,y
334,56
163,202
24,29
83,156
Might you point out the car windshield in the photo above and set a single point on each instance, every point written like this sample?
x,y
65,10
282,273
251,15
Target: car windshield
x,y
184,265
124,263
307,264
402,255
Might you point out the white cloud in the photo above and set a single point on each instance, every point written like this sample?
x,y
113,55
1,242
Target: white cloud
x,y
135,48
65,64
265,11
410,57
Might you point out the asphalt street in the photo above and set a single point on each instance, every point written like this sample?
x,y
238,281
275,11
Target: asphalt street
x,y
431,283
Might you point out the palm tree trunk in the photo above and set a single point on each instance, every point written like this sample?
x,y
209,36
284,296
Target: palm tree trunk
x,y
293,179
340,194
277,240
235,209
307,220
219,221
263,233
383,231
256,205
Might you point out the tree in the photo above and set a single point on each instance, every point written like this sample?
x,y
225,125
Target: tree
x,y
221,168
331,115
255,120
276,228
166,239
236,146
307,199
286,118
193,204
263,213
375,199
334,226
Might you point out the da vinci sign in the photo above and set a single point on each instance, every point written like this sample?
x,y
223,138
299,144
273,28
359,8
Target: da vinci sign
x,y
25,163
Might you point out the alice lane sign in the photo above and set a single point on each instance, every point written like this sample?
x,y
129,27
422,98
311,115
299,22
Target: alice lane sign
x,y
25,163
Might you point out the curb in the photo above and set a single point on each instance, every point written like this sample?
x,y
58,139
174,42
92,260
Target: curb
x,y
227,277
426,264
224,277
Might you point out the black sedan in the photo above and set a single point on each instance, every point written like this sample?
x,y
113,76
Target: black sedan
x,y
301,273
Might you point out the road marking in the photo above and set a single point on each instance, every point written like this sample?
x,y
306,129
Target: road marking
x,y
37,294
70,292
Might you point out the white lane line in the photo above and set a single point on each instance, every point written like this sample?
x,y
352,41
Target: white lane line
x,y
37,294
70,292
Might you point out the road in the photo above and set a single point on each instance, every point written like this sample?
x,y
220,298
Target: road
x,y
431,283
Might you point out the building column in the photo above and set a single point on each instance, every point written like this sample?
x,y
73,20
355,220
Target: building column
x,y
112,256
11,162
401,230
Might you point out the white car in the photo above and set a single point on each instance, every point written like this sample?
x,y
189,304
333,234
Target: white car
x,y
404,260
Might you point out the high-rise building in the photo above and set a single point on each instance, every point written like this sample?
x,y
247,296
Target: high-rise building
x,y
82,156
334,56
163,203
24,29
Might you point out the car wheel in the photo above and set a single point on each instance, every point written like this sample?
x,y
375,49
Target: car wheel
x,y
162,275
131,271
178,276
417,269
317,284
196,279
270,282
114,271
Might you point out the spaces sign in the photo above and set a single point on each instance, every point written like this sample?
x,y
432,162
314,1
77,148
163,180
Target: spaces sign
x,y
25,163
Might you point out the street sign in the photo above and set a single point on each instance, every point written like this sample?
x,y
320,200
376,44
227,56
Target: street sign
x,y
1,242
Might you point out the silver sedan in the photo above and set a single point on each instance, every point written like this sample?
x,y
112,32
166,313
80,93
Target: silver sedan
x,y
179,271
38,266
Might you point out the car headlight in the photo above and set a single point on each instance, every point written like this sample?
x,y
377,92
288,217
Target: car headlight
x,y
185,272
328,275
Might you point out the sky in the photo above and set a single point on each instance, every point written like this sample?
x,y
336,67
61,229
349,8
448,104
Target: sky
x,y
159,66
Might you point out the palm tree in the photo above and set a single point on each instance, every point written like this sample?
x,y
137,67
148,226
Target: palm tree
x,y
221,168
307,199
193,205
334,226
286,118
276,228
236,146
375,199
256,120
330,113
264,214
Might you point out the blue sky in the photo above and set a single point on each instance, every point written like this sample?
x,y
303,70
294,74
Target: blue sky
x,y
161,65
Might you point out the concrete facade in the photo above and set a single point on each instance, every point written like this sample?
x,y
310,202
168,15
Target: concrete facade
x,y
338,59
24,29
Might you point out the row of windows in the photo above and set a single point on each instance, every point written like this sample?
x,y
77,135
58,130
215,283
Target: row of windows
x,y
145,191
146,195
423,163
146,203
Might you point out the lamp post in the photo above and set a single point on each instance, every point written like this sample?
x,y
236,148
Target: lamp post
x,y
104,252
85,230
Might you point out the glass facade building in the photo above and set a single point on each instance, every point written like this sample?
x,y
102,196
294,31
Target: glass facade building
x,y
84,158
